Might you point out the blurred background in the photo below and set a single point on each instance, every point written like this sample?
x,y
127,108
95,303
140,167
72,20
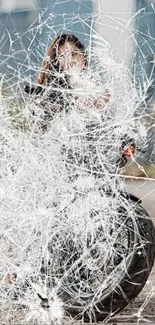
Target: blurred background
x,y
27,27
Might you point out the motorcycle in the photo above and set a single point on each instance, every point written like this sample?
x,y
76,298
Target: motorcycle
x,y
101,259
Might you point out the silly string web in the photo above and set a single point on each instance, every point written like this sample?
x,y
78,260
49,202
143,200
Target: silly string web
x,y
57,230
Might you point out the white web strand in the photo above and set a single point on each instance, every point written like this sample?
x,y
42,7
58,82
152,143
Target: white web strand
x,y
40,177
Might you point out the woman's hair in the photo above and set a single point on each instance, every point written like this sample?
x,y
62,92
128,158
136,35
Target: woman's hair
x,y
50,64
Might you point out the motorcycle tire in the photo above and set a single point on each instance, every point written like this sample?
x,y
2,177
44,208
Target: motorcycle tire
x,y
133,278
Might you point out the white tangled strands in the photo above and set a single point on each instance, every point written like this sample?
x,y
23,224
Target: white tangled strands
x,y
59,229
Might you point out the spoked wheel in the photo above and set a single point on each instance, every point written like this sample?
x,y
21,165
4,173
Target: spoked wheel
x,y
106,267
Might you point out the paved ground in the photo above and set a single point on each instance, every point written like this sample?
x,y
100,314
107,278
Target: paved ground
x,y
142,310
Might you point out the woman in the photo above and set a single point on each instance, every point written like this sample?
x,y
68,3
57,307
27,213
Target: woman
x,y
64,56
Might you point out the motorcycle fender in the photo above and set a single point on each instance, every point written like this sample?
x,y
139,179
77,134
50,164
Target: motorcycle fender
x,y
130,196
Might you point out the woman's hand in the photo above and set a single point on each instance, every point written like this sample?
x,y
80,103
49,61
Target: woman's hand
x,y
106,96
100,102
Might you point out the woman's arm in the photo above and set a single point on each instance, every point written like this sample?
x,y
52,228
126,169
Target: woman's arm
x,y
99,102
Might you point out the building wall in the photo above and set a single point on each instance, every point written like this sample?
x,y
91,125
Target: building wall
x,y
144,58
129,27
15,39
113,22
66,17
25,32
10,5
144,64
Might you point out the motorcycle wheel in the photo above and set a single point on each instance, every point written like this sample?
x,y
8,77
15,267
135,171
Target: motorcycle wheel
x,y
125,274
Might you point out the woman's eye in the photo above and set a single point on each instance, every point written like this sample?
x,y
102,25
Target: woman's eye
x,y
74,54
62,56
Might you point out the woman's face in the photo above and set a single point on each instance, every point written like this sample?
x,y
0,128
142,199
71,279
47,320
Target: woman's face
x,y
69,56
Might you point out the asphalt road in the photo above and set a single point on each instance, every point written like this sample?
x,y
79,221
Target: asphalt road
x,y
142,310
145,190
